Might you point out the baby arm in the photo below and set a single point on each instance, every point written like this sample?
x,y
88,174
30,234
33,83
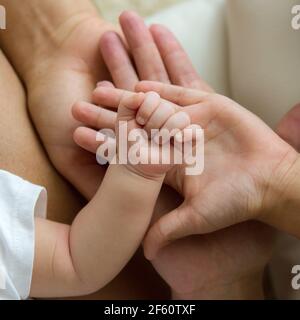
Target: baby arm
x,y
84,257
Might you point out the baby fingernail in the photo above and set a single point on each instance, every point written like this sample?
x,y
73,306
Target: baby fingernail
x,y
140,121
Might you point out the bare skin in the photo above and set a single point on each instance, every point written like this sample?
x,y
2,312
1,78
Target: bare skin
x,y
289,127
131,283
190,253
118,287
22,153
44,76
255,253
251,238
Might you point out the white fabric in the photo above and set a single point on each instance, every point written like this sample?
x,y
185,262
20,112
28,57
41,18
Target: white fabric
x,y
200,26
20,202
244,49
247,50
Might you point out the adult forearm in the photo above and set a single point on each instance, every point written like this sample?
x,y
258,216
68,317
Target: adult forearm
x,y
37,28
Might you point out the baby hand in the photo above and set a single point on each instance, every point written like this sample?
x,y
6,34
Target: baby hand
x,y
149,130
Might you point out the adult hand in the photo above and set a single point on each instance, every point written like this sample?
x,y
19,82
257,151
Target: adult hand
x,y
242,178
220,264
67,74
54,46
71,71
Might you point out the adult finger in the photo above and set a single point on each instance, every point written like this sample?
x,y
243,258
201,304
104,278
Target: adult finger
x,y
109,96
175,94
94,116
118,62
146,56
179,66
88,139
170,227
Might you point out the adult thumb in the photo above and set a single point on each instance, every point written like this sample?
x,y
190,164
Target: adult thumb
x,y
177,224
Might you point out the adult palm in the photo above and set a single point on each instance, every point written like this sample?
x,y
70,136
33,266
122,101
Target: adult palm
x,y
242,157
68,73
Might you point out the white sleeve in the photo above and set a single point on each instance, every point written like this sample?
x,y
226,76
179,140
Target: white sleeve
x,y
20,203
200,26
